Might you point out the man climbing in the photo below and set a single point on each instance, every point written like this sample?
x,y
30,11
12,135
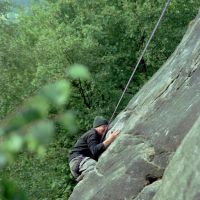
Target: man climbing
x,y
85,153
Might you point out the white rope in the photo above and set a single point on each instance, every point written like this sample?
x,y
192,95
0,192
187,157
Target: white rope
x,y
140,58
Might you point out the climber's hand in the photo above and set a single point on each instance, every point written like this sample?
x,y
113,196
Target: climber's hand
x,y
111,138
113,135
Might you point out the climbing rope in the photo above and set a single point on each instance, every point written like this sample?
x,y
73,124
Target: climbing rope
x,y
140,58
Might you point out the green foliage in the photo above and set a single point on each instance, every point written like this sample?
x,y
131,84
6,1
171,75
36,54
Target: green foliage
x,y
79,72
57,94
30,122
30,127
68,121
39,48
10,191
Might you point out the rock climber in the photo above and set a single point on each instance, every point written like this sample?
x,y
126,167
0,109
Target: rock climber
x,y
85,153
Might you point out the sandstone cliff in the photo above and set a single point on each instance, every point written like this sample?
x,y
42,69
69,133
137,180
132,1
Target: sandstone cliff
x,y
156,155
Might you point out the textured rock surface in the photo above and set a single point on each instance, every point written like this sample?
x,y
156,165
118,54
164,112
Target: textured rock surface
x,y
181,179
149,191
153,126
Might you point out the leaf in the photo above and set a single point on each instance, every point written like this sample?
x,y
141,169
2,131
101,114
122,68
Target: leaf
x,y
68,121
78,71
13,143
11,191
40,134
40,104
2,132
22,118
3,160
41,151
57,93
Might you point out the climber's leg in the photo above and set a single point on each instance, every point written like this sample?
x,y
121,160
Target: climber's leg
x,y
86,165
74,166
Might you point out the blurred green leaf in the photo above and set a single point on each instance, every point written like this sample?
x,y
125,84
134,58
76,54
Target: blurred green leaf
x,y
13,143
68,121
16,122
78,71
32,143
2,132
40,133
10,191
40,104
3,160
41,151
57,93
22,118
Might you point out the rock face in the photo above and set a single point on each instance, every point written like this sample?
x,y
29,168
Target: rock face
x,y
181,178
153,126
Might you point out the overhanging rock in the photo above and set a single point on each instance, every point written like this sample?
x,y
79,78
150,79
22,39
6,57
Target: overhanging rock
x,y
153,125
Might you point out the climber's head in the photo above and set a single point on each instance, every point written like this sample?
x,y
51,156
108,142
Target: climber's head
x,y
100,124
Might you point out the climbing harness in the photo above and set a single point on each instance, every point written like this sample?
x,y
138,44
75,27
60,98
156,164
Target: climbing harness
x,y
139,60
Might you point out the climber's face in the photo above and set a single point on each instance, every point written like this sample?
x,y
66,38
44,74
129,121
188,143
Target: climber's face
x,y
101,129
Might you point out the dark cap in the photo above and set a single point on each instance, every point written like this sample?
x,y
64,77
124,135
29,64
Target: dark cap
x,y
99,120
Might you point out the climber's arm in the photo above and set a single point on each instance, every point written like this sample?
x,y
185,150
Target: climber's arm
x,y
95,147
111,138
